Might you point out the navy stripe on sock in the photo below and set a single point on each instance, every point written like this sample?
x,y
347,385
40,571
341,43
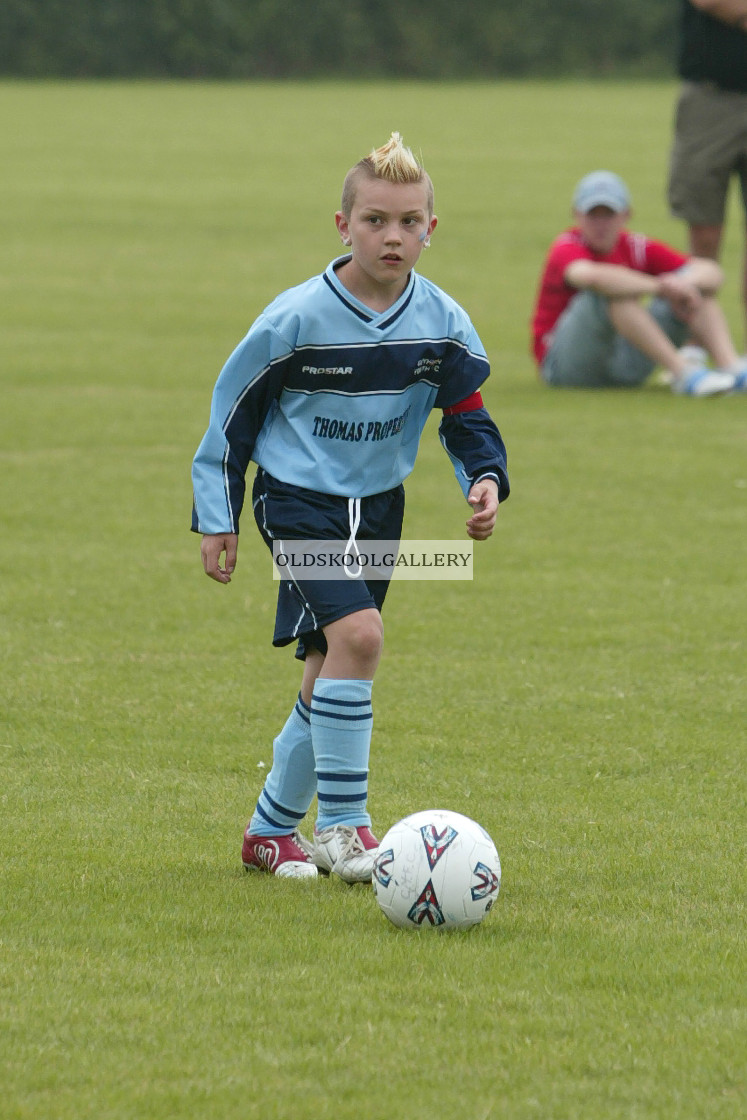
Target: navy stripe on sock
x,y
338,798
341,703
281,808
275,824
341,716
328,776
303,711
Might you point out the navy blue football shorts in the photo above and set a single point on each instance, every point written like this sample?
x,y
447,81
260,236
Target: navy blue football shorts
x,y
305,606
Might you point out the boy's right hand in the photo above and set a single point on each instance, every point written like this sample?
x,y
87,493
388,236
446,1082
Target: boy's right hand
x,y
211,549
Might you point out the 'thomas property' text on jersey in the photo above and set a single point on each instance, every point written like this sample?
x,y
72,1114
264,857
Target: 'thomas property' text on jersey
x,y
325,394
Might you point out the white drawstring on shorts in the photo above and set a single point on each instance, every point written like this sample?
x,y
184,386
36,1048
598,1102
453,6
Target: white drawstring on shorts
x,y
351,548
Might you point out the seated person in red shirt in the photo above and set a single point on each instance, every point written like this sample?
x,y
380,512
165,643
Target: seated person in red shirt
x,y
613,305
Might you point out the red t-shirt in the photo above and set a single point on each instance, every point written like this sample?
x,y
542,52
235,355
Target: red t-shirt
x,y
632,249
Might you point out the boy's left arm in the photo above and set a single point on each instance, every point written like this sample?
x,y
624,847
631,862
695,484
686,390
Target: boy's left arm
x,y
476,449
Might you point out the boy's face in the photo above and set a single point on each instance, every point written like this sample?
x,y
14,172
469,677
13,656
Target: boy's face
x,y
601,227
387,227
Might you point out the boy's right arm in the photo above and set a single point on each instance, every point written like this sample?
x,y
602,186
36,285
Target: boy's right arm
x,y
212,548
248,385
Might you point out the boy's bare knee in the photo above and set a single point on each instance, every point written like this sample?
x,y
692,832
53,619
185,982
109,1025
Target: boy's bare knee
x,y
360,635
366,634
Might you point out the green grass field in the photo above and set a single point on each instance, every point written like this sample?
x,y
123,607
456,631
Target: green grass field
x,y
583,698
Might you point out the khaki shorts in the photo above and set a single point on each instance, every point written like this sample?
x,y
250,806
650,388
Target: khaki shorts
x,y
710,145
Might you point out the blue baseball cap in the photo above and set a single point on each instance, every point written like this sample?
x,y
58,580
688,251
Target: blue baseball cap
x,y
601,188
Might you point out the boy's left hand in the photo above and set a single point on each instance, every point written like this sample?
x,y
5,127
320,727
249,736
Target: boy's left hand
x,y
483,497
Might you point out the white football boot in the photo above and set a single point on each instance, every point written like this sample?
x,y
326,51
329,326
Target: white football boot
x,y
347,851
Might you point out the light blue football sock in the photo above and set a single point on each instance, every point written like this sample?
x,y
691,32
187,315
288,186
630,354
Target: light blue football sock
x,y
291,784
341,725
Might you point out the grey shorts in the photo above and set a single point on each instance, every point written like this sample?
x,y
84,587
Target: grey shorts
x,y
587,352
710,146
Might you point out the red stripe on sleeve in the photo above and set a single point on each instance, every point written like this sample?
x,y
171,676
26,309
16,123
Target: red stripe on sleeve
x,y
469,404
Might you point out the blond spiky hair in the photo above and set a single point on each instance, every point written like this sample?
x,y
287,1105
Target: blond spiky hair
x,y
392,162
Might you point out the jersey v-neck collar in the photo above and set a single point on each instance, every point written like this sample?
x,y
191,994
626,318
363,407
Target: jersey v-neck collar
x,y
382,319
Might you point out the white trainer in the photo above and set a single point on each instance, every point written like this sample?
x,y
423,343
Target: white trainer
x,y
704,383
346,851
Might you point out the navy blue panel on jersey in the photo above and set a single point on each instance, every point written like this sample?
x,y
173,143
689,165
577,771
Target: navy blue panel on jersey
x,y
379,367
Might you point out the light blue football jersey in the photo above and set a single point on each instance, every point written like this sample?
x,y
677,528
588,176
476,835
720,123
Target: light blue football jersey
x,y
325,394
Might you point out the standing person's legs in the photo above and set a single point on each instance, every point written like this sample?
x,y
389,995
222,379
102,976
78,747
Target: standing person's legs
x,y
707,149
705,240
710,146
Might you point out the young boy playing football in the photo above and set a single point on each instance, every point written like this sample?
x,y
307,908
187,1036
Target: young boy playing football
x,y
365,351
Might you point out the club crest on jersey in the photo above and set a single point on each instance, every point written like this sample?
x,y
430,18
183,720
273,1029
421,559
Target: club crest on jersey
x,y
487,882
436,842
427,366
381,868
426,908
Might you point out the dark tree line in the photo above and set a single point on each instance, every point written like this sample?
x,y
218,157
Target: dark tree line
x,y
417,39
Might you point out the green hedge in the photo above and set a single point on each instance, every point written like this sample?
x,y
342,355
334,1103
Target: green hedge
x,y
329,38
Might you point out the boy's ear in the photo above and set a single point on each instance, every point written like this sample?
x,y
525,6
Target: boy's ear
x,y
343,227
